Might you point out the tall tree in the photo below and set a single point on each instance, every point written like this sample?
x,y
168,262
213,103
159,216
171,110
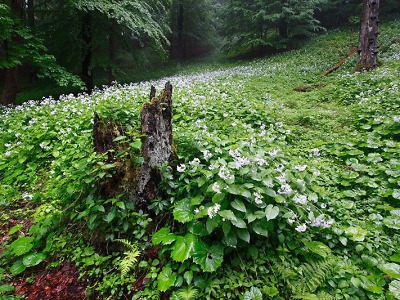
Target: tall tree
x,y
367,47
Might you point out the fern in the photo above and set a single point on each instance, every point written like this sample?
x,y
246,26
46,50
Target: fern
x,y
319,296
185,293
130,258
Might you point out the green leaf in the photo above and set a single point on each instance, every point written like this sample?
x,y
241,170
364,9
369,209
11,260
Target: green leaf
x,y
188,276
356,234
15,229
56,153
136,145
392,222
163,236
391,269
182,247
395,257
259,229
243,234
6,288
238,205
394,288
271,212
22,245
110,216
17,268
166,279
396,194
239,223
213,223
318,248
227,215
33,259
182,212
208,258
119,138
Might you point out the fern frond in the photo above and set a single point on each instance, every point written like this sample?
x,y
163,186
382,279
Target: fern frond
x,y
130,258
319,296
187,293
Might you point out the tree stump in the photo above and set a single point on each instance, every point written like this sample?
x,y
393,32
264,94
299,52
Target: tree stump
x,y
138,182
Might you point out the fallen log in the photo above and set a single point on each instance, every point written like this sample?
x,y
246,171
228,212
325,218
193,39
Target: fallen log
x,y
351,52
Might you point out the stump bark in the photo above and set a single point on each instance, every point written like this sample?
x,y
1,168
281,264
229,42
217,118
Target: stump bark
x,y
138,182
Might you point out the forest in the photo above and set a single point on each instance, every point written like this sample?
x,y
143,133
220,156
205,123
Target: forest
x,y
208,149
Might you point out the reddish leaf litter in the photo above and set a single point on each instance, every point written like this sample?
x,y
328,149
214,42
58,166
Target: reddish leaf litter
x,y
54,284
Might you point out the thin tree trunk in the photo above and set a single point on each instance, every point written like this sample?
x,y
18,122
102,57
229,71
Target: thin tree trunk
x,y
112,51
181,45
368,35
87,75
10,88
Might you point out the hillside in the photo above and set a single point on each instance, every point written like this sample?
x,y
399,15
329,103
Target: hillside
x,y
276,194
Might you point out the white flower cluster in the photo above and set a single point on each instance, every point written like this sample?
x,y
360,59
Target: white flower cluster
x,y
216,188
225,174
240,161
181,168
207,154
300,168
301,228
300,199
285,189
273,153
213,210
320,221
27,196
315,152
258,198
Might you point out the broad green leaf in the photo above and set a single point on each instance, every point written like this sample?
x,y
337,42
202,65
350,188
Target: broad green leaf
x,y
234,189
136,144
396,194
196,200
391,269
395,257
15,229
182,212
243,234
17,268
230,240
182,247
259,229
56,153
22,245
188,276
218,198
227,215
6,288
110,216
33,259
208,258
271,212
394,288
239,223
349,193
213,223
392,222
318,248
166,279
238,205
163,236
119,138
356,234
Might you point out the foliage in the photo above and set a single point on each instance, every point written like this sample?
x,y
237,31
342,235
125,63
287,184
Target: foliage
x,y
274,192
130,256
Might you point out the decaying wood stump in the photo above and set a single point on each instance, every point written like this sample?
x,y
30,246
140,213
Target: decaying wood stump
x,y
139,182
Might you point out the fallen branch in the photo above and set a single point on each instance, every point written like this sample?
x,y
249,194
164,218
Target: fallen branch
x,y
352,51
307,88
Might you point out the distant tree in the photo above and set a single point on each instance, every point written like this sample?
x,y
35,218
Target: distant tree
x,y
251,25
193,27
20,46
368,35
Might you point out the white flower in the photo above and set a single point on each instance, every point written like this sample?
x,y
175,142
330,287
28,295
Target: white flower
x,y
196,211
396,119
225,174
17,135
181,168
258,198
273,153
323,205
207,154
317,173
194,162
301,228
27,196
315,152
285,189
213,210
280,168
7,145
282,178
216,188
300,168
301,199
8,153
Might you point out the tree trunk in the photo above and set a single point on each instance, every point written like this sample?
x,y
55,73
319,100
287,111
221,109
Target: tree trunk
x,y
368,34
112,51
180,45
139,182
10,88
87,74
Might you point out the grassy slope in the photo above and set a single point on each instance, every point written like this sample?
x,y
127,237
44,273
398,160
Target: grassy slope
x,y
249,95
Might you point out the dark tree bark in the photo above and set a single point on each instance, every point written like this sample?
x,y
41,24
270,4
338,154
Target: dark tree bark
x,y
112,51
140,183
10,88
367,47
87,75
31,13
180,45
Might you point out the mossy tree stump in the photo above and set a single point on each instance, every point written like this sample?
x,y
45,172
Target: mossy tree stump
x,y
139,182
